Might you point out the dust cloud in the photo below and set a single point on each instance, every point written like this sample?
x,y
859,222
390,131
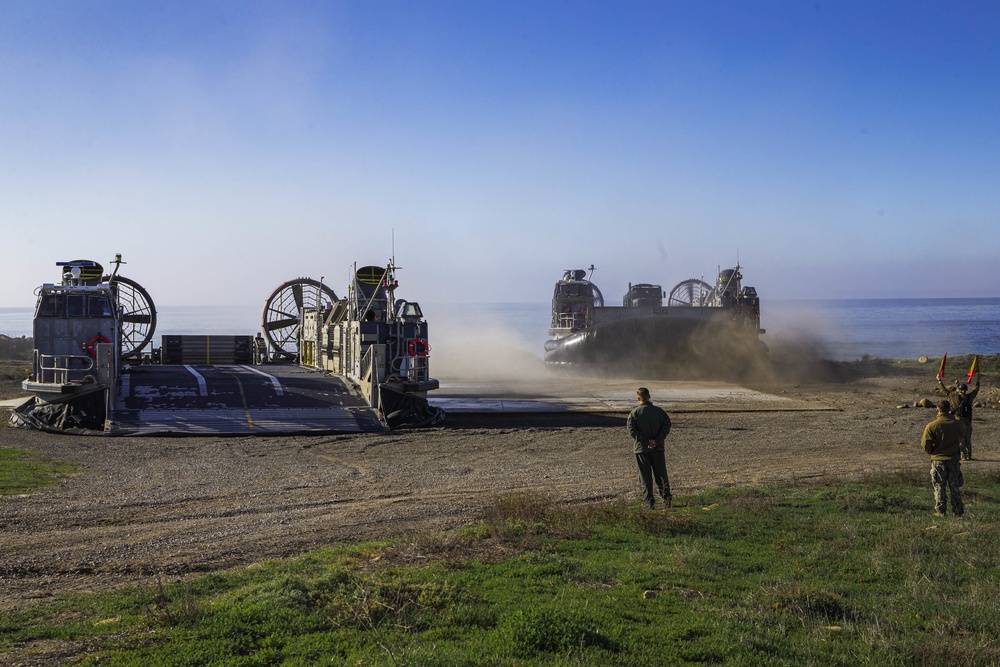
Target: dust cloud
x,y
483,351
487,351
796,351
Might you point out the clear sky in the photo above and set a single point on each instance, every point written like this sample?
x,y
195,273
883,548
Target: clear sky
x,y
838,149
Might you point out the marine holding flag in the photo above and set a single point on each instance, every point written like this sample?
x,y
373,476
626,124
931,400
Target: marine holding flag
x,y
974,368
961,400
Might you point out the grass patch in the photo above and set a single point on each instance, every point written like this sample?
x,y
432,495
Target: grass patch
x,y
23,472
844,574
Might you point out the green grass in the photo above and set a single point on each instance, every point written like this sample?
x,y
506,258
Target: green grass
x,y
847,574
23,472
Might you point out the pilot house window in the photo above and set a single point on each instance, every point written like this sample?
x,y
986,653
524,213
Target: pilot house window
x,y
98,306
574,290
60,304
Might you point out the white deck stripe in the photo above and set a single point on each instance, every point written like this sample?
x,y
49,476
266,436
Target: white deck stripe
x,y
277,384
202,387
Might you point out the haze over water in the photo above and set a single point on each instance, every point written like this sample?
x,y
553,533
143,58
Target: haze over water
x,y
846,329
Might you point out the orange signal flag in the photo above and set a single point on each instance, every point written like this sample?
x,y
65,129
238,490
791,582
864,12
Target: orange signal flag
x,y
974,368
944,360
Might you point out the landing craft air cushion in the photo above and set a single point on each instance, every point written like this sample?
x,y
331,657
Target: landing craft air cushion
x,y
714,329
320,364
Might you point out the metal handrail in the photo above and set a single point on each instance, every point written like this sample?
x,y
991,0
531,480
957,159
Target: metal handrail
x,y
60,373
567,320
417,368
366,363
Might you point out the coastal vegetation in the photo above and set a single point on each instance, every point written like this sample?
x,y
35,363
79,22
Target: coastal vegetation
x,y
15,364
852,573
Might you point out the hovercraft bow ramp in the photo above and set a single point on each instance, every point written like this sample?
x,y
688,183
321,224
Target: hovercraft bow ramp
x,y
238,399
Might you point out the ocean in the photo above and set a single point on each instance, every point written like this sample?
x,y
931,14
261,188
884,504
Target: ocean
x,y
849,329
845,329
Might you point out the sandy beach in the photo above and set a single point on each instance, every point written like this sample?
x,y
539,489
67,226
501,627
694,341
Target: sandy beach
x,y
140,508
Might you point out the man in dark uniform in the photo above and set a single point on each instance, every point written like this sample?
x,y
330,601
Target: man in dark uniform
x,y
942,440
961,400
649,425
260,349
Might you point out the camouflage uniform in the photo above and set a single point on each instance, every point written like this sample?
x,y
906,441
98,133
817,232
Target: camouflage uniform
x,y
649,422
956,396
942,440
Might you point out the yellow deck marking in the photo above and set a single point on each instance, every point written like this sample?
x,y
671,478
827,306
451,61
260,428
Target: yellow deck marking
x,y
243,397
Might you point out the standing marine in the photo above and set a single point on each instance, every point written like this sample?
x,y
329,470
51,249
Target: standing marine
x,y
942,440
648,425
961,400
260,349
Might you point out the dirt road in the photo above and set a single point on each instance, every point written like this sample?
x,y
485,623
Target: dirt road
x,y
144,506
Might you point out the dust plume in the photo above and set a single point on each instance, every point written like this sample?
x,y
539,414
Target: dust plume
x,y
797,352
487,350
484,351
723,354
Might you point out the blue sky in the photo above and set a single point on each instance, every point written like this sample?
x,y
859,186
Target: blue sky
x,y
837,149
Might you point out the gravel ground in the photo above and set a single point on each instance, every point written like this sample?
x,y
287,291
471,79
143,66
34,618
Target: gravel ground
x,y
143,507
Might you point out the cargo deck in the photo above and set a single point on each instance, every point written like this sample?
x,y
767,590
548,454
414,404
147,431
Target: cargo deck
x,y
238,399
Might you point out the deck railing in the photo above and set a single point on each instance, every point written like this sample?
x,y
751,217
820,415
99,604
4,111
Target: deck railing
x,y
55,368
416,369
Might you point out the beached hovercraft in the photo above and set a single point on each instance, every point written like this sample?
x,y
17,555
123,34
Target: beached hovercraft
x,y
326,365
701,326
86,328
378,342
